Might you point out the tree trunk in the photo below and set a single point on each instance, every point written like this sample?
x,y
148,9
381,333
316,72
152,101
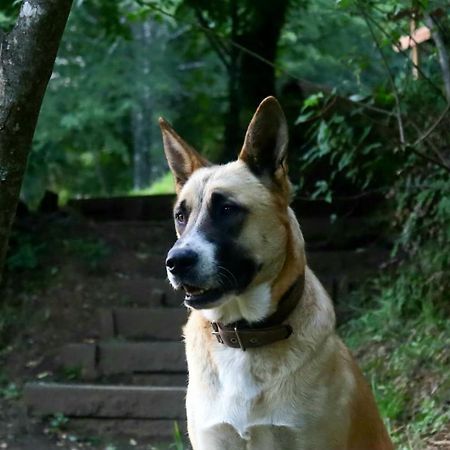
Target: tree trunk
x,y
142,110
255,79
27,55
232,132
442,53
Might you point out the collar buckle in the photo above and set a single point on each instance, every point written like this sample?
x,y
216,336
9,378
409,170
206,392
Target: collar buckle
x,y
236,339
241,345
216,332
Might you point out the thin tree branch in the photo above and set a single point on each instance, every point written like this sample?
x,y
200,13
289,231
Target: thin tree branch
x,y
442,52
403,144
426,157
264,60
427,142
212,37
404,55
390,76
432,127
216,43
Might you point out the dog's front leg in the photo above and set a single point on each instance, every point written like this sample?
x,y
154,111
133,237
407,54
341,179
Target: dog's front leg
x,y
218,437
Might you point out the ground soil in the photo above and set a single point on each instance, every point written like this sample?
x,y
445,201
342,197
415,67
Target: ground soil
x,y
55,303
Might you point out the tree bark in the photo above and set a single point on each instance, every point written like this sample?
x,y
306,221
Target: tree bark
x,y
27,55
250,78
257,78
232,122
142,108
442,52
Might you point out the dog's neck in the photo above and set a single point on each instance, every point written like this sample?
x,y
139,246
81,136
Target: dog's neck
x,y
295,259
254,305
259,302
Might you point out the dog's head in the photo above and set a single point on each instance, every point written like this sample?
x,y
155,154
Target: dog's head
x,y
232,220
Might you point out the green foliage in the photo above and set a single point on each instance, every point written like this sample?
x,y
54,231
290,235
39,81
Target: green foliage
x,y
405,355
178,443
8,389
85,139
356,158
70,374
8,15
329,47
90,251
10,317
350,145
26,252
348,149
57,423
163,185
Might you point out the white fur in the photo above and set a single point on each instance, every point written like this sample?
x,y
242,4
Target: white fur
x,y
253,306
234,402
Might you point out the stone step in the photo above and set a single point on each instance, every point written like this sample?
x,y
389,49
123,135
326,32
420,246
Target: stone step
x,y
129,263
166,379
143,291
160,433
142,323
155,207
142,236
114,358
159,236
334,260
343,233
159,379
105,401
353,264
159,207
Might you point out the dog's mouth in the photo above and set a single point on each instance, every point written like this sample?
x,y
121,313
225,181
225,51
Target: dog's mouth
x,y
200,298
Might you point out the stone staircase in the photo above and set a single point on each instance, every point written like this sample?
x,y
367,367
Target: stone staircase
x,y
131,381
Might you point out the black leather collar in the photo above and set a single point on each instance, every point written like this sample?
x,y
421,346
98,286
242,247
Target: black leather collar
x,y
243,335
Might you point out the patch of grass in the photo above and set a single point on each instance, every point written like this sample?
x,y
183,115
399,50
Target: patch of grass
x,y
14,314
8,389
91,251
163,185
25,252
74,373
57,423
404,351
178,441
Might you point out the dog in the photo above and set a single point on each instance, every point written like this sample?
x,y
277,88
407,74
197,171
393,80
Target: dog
x,y
266,368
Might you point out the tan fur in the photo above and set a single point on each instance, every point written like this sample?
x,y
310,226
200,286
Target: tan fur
x,y
302,393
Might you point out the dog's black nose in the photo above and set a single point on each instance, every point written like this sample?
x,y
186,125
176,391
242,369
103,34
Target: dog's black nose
x,y
180,260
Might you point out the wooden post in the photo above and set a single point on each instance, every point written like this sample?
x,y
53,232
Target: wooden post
x,y
414,46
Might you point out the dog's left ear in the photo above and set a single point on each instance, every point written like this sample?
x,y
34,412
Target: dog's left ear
x,y
183,160
265,144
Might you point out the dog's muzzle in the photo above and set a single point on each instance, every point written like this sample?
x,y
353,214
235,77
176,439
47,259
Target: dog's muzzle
x,y
181,264
181,260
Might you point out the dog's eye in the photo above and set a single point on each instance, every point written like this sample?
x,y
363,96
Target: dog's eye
x,y
228,209
180,218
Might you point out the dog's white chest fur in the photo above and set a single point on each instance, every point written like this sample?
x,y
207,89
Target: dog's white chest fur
x,y
237,399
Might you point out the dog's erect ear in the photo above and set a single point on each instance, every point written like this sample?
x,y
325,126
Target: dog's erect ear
x,y
265,144
182,158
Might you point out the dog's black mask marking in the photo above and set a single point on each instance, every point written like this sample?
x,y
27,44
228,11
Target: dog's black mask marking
x,y
235,267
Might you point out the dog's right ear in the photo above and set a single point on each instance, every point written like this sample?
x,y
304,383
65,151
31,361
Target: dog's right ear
x,y
265,144
183,160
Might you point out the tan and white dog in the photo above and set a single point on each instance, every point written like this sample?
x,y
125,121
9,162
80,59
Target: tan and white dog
x,y
266,368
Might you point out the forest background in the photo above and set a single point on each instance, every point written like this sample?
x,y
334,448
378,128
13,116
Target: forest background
x,y
368,119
